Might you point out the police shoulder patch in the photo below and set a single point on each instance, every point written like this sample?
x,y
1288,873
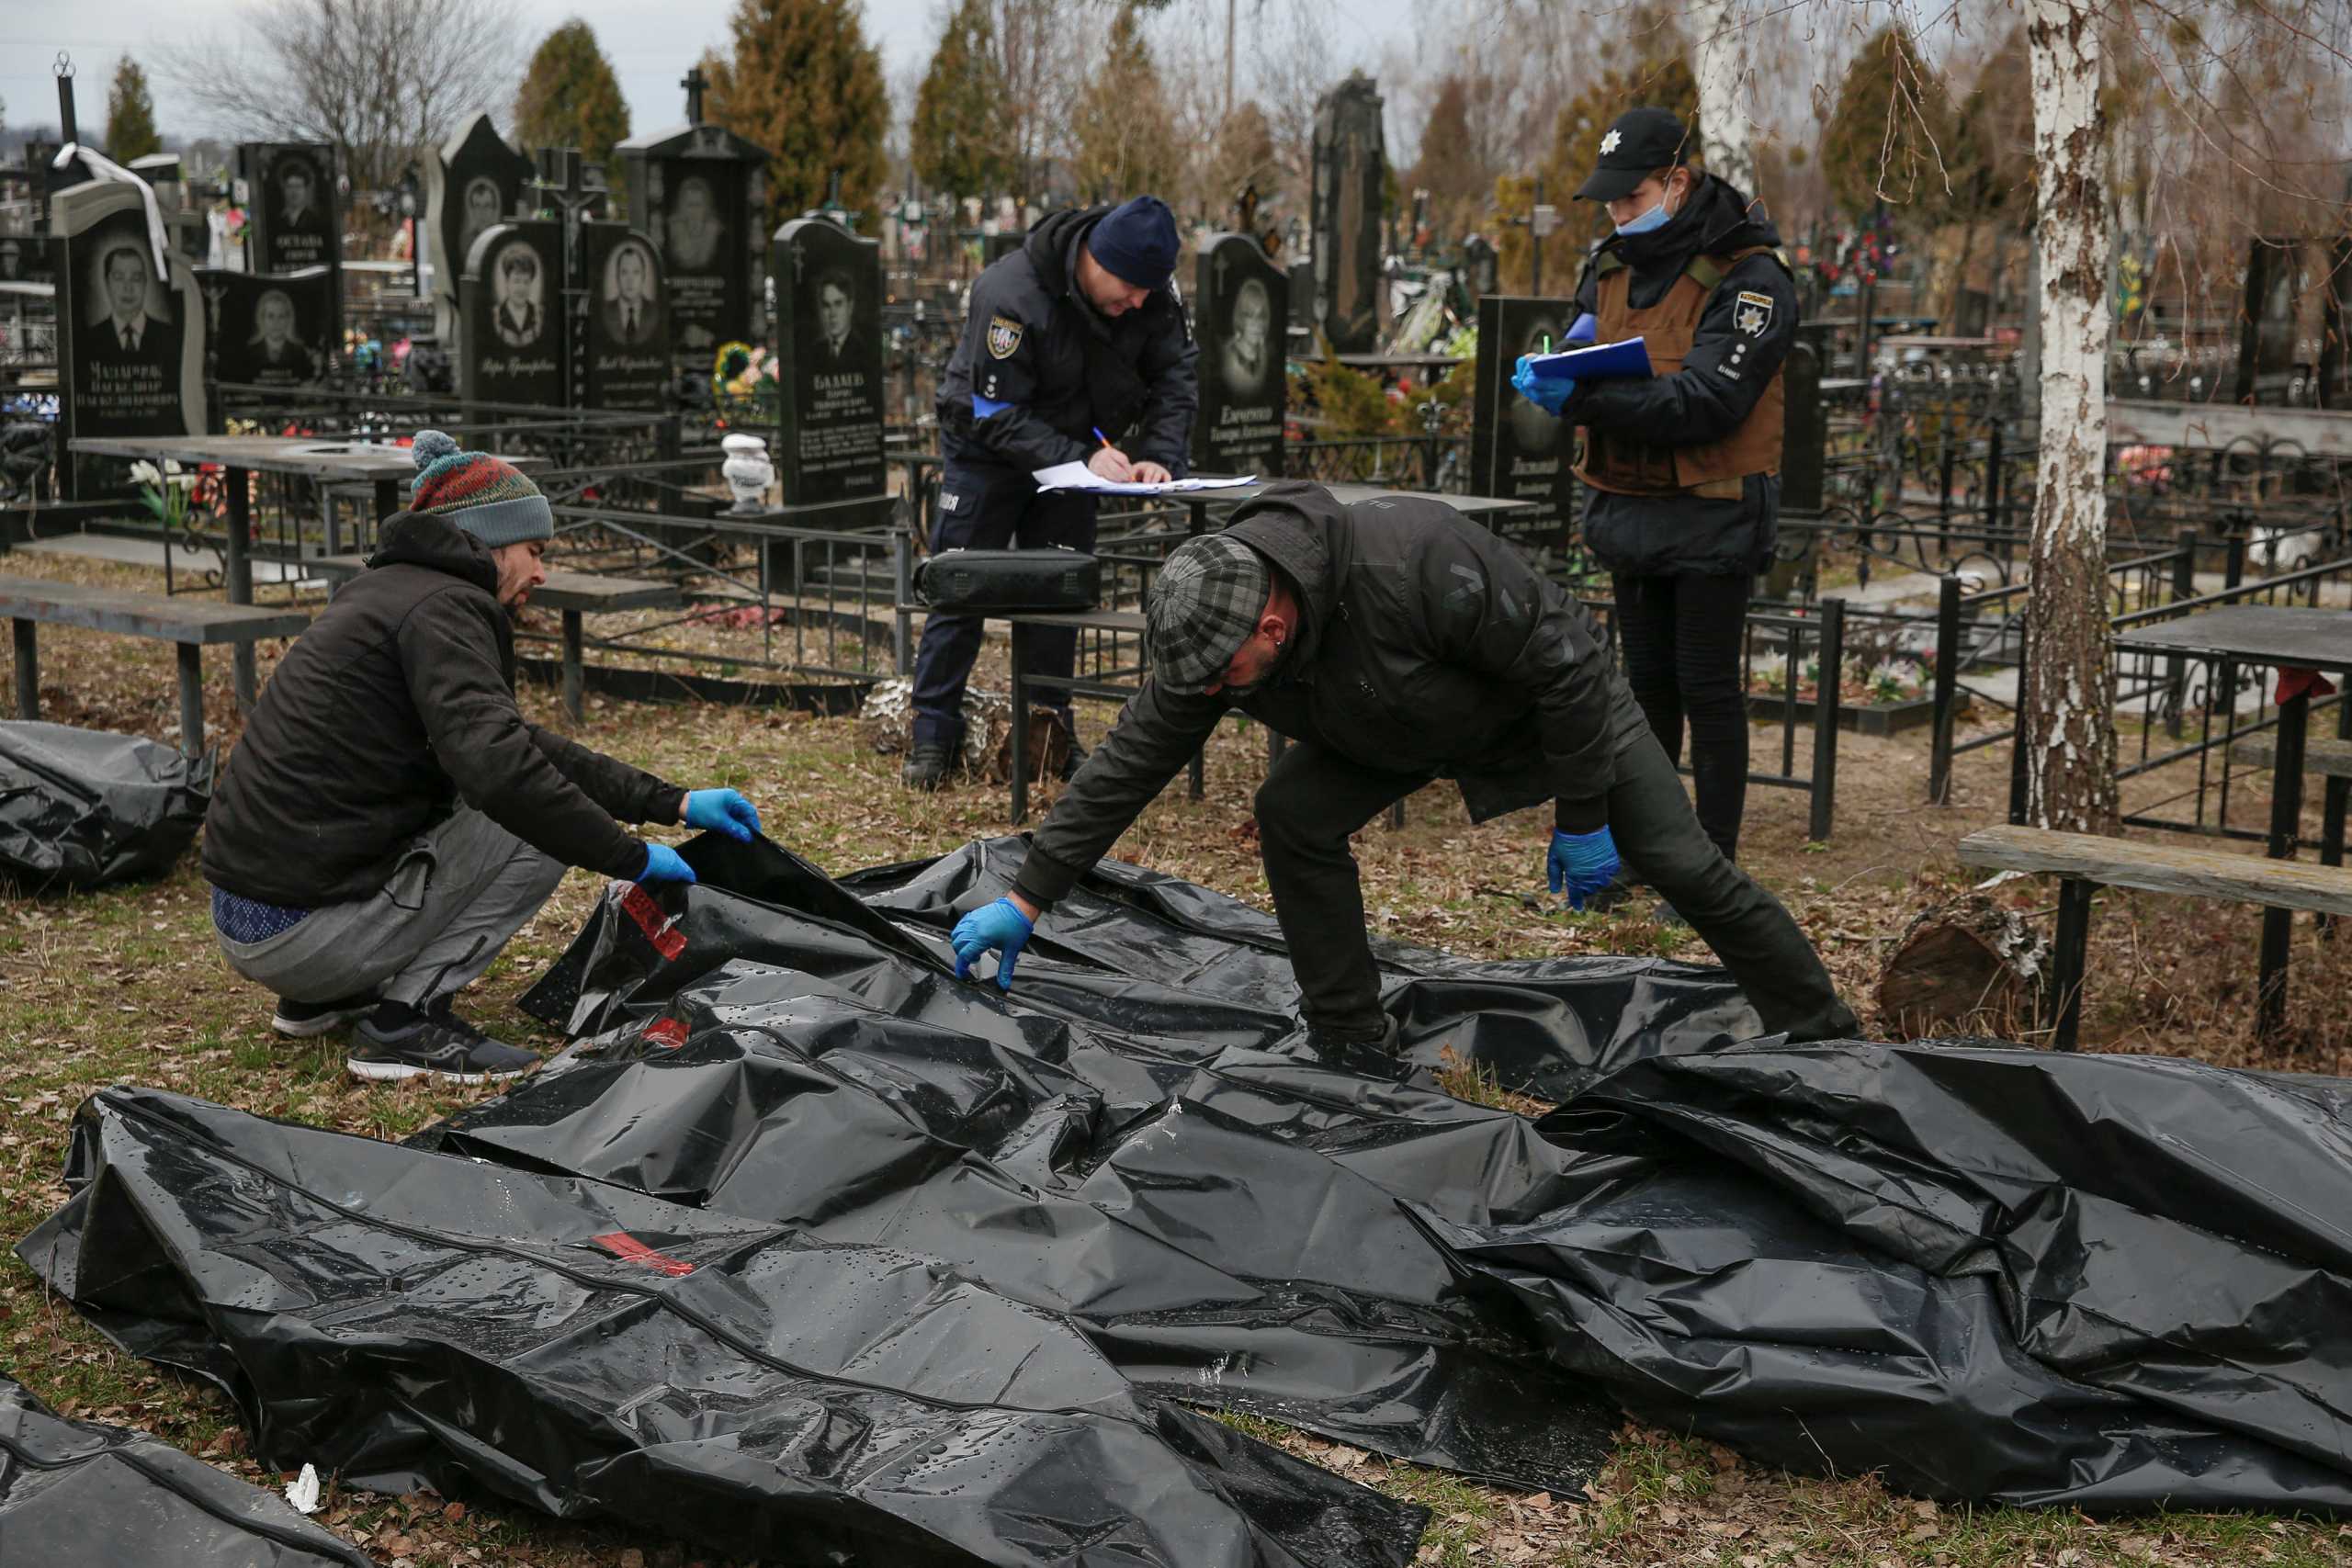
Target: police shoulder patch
x,y
1005,337
1752,312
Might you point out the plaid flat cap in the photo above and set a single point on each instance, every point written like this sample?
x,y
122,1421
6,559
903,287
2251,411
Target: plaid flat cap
x,y
1205,604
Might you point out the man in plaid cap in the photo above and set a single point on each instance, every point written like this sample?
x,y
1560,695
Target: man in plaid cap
x,y
1398,643
389,819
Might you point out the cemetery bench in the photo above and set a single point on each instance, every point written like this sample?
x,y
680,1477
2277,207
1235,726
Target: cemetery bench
x,y
2086,861
191,624
574,593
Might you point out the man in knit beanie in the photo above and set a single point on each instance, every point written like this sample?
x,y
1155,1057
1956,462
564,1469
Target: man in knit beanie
x,y
1074,350
389,819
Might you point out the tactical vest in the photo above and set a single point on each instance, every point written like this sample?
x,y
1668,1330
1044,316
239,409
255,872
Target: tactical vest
x,y
1625,463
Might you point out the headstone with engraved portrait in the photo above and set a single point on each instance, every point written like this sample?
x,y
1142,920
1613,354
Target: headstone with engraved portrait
x,y
1518,451
628,356
1351,176
267,329
829,347
473,180
699,192
510,300
1242,301
292,220
131,327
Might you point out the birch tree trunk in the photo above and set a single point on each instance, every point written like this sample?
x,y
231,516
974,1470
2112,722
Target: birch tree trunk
x,y
2067,721
1726,137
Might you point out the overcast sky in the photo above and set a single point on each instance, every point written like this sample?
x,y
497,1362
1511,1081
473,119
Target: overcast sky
x,y
651,45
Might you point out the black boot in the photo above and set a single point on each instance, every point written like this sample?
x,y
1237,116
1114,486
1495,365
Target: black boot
x,y
927,766
1371,1054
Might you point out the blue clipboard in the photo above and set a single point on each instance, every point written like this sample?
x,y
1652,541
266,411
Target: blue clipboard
x,y
1617,360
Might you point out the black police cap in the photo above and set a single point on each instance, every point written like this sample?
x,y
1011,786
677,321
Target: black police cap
x,y
1638,144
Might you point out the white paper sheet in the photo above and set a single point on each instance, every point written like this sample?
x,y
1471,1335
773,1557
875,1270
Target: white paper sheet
x,y
1077,476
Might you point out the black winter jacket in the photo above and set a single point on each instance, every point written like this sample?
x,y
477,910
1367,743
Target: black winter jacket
x,y
1064,371
397,703
1426,645
1702,402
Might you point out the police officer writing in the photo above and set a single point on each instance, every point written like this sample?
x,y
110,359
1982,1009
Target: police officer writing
x,y
1396,643
1683,468
1075,349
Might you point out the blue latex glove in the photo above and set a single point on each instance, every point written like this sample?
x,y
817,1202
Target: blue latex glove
x,y
1545,394
663,865
722,811
1000,926
1584,332
1581,864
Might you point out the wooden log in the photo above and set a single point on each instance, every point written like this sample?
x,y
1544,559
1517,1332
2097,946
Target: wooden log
x,y
1966,965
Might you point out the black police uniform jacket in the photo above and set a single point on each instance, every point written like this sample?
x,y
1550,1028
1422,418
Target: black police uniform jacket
x,y
1705,401
1425,644
396,704
1064,371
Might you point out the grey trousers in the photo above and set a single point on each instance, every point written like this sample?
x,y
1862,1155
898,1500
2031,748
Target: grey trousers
x,y
457,895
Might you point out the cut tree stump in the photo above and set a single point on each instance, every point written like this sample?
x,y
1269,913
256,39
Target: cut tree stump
x,y
1964,967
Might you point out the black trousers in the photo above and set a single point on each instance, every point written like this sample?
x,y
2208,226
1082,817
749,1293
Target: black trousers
x,y
1681,638
986,507
1313,799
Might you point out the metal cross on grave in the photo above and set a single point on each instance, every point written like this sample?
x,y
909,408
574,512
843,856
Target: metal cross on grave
x,y
694,82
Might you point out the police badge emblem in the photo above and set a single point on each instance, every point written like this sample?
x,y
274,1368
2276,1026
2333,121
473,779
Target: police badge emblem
x,y
1752,313
1005,337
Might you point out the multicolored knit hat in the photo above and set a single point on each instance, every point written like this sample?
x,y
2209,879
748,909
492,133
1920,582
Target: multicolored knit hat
x,y
485,495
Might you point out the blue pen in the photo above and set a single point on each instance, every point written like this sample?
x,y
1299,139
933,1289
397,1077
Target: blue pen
x,y
1099,437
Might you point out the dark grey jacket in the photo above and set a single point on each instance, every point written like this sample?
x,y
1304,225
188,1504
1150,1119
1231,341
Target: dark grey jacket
x,y
396,704
1704,402
1061,370
1426,645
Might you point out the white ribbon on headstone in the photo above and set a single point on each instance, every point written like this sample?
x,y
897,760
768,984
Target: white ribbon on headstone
x,y
102,167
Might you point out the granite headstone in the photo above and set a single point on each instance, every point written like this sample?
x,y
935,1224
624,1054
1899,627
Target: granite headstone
x,y
828,344
1350,169
510,300
473,180
1481,267
1517,450
267,329
132,324
292,214
627,359
1805,430
1243,304
700,193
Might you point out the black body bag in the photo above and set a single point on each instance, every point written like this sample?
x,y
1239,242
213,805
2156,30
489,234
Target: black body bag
x,y
996,581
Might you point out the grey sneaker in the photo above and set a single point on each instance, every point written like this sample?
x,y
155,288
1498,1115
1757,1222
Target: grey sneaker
x,y
397,1041
300,1020
926,767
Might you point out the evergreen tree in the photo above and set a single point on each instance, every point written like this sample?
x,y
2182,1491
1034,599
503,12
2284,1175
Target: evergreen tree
x,y
960,132
1886,137
569,96
1244,156
130,115
1449,167
1121,129
803,82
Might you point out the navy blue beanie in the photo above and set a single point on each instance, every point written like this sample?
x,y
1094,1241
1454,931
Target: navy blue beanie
x,y
1137,242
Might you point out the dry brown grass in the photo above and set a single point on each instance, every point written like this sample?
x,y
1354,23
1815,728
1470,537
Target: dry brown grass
x,y
126,985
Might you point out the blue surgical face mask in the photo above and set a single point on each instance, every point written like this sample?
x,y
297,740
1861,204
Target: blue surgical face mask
x,y
1655,218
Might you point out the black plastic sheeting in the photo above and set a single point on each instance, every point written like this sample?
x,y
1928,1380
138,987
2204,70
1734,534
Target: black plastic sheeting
x,y
1988,1273
79,1495
82,808
406,1319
